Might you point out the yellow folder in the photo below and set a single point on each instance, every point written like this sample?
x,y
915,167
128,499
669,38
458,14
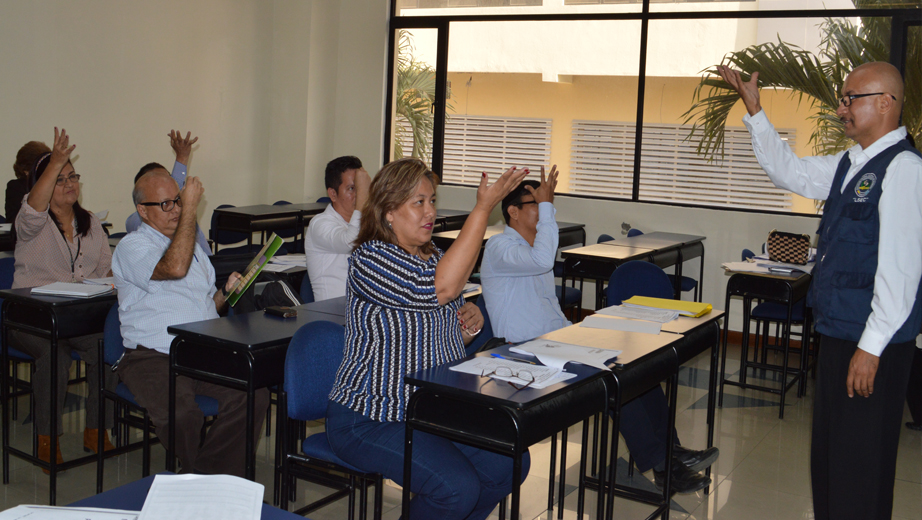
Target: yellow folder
x,y
693,309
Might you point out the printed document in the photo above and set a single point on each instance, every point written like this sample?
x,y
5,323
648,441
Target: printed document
x,y
203,497
614,323
556,354
521,372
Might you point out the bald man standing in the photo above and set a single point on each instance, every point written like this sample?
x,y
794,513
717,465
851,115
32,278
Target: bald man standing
x,y
866,284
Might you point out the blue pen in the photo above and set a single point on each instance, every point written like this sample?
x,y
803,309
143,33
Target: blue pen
x,y
513,359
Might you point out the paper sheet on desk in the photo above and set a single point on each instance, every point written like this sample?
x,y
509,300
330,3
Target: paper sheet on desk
x,y
544,376
278,268
203,497
29,512
615,323
640,313
556,354
290,259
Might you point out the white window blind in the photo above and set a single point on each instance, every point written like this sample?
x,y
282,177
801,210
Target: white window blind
x,y
602,164
474,144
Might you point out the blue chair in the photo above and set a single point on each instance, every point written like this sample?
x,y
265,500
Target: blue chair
x,y
605,238
325,199
314,355
307,292
638,278
486,333
688,284
286,233
111,348
19,387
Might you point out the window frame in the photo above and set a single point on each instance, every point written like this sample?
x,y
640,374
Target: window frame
x,y
901,20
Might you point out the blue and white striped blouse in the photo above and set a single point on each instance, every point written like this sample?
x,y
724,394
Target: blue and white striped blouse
x,y
394,326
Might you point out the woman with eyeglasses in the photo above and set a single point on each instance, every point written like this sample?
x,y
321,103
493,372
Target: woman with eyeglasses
x,y
59,241
403,314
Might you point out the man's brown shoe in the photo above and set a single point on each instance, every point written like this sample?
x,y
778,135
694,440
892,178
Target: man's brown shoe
x,y
91,440
44,451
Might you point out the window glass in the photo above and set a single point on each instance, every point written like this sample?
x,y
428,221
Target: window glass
x,y
517,87
414,92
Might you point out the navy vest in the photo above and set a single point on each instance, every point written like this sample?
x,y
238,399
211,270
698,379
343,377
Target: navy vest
x,y
843,279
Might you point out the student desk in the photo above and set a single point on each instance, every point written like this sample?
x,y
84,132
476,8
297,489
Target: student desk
x,y
598,261
495,416
245,352
131,497
450,219
266,217
785,290
54,318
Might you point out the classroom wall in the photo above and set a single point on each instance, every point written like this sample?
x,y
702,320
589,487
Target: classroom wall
x,y
259,81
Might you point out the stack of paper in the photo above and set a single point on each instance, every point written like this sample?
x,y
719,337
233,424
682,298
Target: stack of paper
x,y
77,290
612,323
556,354
203,497
541,376
640,313
693,309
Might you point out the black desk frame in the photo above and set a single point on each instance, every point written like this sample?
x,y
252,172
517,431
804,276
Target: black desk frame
x,y
237,364
786,291
52,318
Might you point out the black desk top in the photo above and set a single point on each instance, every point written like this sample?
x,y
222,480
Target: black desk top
x,y
25,295
450,213
485,389
131,497
334,306
271,211
253,330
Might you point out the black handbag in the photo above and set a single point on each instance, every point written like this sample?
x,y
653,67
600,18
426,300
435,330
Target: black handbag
x,y
790,248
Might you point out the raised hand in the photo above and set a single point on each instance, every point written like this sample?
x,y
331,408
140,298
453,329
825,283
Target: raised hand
x,y
191,194
182,145
545,191
61,150
489,195
748,90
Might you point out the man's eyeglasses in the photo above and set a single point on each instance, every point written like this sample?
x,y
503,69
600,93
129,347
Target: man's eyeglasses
x,y
166,205
507,373
847,100
73,178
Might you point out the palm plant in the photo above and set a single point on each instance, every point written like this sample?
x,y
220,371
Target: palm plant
x,y
415,94
844,46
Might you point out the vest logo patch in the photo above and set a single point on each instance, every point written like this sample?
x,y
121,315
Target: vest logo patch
x,y
865,184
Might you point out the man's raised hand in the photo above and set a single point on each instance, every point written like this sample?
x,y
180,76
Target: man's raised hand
x,y
748,90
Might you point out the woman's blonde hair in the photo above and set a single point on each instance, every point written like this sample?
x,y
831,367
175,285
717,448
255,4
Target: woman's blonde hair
x,y
391,187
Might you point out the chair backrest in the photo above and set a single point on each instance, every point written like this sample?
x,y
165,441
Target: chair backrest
x,y
307,291
634,232
747,254
324,199
605,238
314,356
7,266
638,278
120,234
280,203
224,237
113,347
486,333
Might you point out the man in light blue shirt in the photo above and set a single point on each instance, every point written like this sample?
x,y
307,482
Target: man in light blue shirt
x,y
517,274
165,278
182,146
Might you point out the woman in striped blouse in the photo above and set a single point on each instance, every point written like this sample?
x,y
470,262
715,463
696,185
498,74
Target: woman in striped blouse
x,y
404,313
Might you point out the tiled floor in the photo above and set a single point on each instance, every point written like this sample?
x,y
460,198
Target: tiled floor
x,y
762,473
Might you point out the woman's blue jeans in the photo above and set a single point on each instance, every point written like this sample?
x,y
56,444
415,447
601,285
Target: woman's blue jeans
x,y
451,480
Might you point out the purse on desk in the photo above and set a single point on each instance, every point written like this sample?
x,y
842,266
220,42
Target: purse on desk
x,y
790,248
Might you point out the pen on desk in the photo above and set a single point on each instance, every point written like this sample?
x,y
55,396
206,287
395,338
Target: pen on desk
x,y
513,359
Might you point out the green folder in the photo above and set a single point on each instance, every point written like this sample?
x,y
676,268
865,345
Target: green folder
x,y
254,268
